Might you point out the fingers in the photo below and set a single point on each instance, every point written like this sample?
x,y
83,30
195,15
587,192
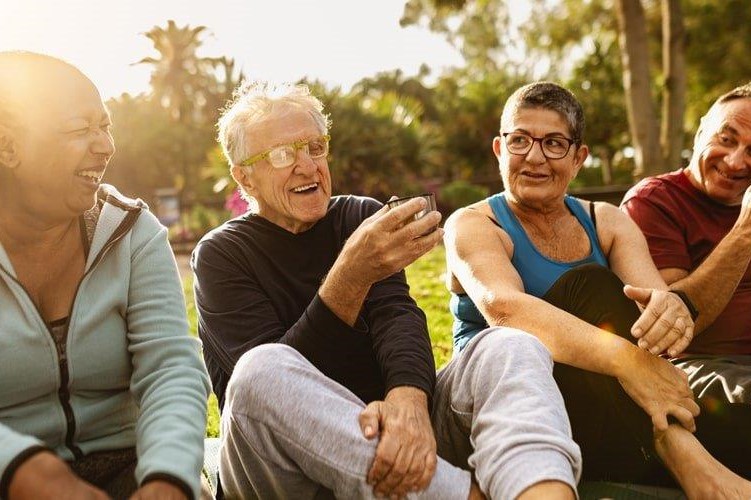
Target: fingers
x,y
665,324
660,422
401,478
385,457
428,471
640,295
663,334
682,343
684,417
369,420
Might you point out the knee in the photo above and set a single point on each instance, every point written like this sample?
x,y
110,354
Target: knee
x,y
511,345
256,375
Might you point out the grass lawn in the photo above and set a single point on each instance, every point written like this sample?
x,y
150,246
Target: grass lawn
x,y
426,280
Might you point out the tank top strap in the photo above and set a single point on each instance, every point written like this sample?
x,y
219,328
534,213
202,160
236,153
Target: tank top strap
x,y
508,221
575,206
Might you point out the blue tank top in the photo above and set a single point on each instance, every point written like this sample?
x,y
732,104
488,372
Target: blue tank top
x,y
538,272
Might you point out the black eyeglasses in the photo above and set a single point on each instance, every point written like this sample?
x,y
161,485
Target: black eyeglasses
x,y
553,147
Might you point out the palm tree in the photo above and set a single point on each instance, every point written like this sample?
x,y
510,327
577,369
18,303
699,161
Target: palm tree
x,y
180,78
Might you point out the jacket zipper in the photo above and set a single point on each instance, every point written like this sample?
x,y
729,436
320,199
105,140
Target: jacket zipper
x,y
63,393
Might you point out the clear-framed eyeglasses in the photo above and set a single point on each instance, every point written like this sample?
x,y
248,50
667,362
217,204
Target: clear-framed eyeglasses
x,y
554,147
285,155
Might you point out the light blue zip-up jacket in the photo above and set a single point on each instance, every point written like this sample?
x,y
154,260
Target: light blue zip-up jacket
x,y
129,375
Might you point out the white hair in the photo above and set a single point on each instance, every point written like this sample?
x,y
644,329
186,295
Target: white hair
x,y
253,102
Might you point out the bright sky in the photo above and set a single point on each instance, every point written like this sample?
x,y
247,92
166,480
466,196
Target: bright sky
x,y
337,41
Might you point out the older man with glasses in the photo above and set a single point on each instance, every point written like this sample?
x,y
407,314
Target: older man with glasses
x,y
321,359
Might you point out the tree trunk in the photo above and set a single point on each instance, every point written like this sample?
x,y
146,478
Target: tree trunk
x,y
674,90
606,157
643,124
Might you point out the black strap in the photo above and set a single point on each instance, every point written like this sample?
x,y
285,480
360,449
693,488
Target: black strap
x,y
689,305
592,214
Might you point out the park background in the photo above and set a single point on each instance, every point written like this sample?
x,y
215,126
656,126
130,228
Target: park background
x,y
645,71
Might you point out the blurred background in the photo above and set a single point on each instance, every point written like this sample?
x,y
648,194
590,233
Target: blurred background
x,y
414,87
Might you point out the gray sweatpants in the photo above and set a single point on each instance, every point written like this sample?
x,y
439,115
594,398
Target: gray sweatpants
x,y
288,431
725,378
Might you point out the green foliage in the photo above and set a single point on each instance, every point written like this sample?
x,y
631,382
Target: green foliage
x,y
461,193
200,219
427,282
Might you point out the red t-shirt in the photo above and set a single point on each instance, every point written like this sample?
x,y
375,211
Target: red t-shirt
x,y
683,225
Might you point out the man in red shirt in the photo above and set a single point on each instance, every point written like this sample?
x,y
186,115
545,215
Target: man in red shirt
x,y
698,225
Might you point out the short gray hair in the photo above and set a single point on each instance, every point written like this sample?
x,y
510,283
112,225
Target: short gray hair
x,y
551,96
253,102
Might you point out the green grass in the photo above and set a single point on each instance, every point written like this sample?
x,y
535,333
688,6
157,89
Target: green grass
x,y
426,278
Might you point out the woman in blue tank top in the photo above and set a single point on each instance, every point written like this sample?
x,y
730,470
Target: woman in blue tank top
x,y
534,258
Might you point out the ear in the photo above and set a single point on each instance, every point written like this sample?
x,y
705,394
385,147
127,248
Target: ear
x,y
582,152
9,156
242,178
497,146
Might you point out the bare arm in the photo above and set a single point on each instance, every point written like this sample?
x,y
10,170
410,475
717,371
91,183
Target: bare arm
x,y
478,255
712,284
665,322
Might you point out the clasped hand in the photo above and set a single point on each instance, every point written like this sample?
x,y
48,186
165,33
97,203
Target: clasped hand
x,y
665,324
660,389
405,458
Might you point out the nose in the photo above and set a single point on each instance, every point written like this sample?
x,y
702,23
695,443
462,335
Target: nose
x,y
737,158
304,163
535,153
103,143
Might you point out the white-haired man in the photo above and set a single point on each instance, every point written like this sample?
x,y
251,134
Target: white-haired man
x,y
320,358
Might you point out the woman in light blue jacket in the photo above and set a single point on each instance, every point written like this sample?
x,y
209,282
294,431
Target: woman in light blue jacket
x,y
101,387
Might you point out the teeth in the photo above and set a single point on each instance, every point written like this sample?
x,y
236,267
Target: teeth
x,y
92,174
300,189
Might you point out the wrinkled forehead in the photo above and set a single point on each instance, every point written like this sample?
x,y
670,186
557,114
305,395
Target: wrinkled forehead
x,y
284,123
515,116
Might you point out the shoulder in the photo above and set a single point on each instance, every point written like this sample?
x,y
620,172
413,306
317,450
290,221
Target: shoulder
x,y
223,241
348,211
353,204
654,188
475,213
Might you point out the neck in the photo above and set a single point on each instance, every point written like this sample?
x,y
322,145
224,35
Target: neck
x,y
19,231
538,210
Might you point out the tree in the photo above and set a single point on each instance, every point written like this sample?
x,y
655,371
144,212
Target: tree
x,y
186,86
632,29
179,77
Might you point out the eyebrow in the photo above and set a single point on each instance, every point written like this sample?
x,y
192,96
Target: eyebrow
x,y
727,128
551,134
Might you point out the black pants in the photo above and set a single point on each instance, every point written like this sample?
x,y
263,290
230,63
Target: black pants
x,y
614,433
113,471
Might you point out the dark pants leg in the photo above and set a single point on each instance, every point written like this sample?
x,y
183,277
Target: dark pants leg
x,y
614,433
112,471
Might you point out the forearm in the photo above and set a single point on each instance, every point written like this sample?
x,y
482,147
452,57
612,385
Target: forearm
x,y
711,285
342,293
571,341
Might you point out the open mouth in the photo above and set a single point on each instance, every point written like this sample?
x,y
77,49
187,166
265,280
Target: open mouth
x,y
306,189
740,177
533,175
93,176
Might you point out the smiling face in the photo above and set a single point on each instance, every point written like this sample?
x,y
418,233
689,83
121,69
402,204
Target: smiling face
x,y
721,162
61,150
295,197
532,179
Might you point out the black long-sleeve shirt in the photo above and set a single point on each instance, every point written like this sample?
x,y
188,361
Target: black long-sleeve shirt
x,y
257,283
